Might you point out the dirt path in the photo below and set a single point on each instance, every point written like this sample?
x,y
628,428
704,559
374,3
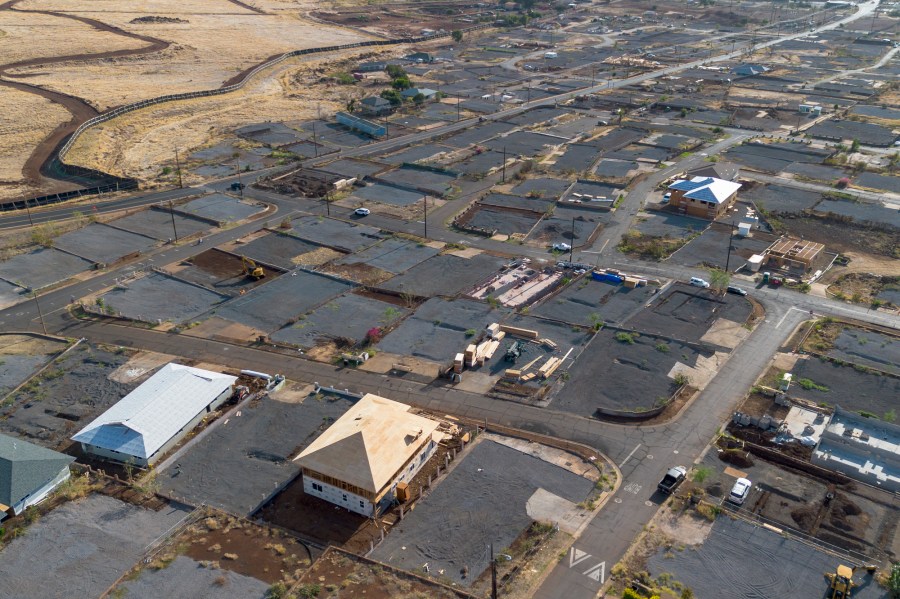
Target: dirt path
x,y
80,110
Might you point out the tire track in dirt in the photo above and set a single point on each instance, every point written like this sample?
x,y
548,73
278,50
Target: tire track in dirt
x,y
258,11
80,110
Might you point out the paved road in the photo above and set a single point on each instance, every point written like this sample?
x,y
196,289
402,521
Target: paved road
x,y
19,219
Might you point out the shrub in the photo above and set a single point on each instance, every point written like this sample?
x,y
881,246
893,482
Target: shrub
x,y
662,347
701,473
809,385
624,337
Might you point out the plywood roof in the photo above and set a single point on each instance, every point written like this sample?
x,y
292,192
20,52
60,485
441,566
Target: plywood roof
x,y
368,445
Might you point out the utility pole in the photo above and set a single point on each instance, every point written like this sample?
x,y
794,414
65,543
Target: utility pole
x,y
493,574
172,214
327,198
458,102
572,245
240,185
178,169
315,143
730,238
504,165
425,203
40,314
28,211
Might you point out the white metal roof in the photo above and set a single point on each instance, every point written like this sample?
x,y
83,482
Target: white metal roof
x,y
144,420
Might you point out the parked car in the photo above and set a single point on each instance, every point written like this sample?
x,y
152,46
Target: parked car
x,y
362,212
237,186
562,247
666,197
674,477
740,491
736,290
698,282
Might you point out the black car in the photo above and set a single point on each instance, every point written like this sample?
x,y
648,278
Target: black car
x,y
736,290
237,186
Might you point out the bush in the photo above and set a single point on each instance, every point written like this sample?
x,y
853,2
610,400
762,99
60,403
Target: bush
x,y
809,385
701,473
662,347
623,337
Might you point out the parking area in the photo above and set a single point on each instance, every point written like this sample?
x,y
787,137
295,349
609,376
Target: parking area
x,y
667,224
626,372
824,382
394,254
158,297
687,313
438,329
386,194
347,319
343,236
277,249
447,274
587,302
483,500
101,243
185,578
242,461
220,208
81,548
41,268
757,561
271,306
159,224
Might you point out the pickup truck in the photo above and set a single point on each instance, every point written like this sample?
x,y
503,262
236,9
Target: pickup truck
x,y
672,479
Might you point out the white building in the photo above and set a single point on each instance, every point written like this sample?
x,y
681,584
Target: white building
x,y
153,418
358,462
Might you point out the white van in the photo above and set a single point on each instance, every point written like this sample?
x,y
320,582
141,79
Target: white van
x,y
740,491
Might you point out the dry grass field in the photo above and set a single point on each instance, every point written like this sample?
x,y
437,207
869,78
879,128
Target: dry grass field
x,y
58,36
137,144
25,119
205,51
208,43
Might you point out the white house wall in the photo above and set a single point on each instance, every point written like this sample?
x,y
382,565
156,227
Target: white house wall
x,y
41,494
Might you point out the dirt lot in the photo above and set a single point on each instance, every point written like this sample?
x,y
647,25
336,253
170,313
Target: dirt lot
x,y
358,577
74,391
869,348
221,272
867,288
21,356
842,236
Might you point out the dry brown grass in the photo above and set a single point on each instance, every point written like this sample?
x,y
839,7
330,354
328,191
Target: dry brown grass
x,y
25,120
213,46
138,143
58,36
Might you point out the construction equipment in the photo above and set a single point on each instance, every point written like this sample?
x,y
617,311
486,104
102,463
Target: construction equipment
x,y
514,351
252,269
841,582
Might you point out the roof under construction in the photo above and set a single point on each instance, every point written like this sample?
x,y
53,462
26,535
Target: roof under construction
x,y
798,250
369,444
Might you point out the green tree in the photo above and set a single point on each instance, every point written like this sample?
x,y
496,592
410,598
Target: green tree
x,y
351,105
395,71
718,281
854,147
401,83
419,99
457,35
392,96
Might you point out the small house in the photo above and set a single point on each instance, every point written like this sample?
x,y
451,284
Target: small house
x,y
706,197
359,462
409,94
28,473
375,106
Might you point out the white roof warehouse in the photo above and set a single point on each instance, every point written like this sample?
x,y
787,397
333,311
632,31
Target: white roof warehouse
x,y
147,422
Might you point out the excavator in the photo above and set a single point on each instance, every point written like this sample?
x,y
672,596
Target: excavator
x,y
252,269
841,582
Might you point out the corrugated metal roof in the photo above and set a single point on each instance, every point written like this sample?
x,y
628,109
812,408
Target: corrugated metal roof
x,y
145,419
26,467
707,189
368,445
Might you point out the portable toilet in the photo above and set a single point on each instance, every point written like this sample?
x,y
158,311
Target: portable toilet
x,y
766,277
